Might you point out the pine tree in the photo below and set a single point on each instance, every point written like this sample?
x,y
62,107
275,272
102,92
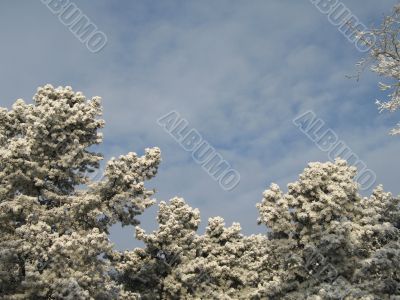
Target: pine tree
x,y
322,239
54,235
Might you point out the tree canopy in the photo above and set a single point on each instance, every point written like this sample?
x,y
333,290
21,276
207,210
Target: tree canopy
x,y
322,239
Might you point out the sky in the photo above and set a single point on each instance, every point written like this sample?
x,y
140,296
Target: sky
x,y
238,71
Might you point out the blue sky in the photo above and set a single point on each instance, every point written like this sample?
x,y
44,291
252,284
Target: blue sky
x,y
238,71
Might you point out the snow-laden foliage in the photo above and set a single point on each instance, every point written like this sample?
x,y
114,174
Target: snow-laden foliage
x,y
54,235
322,239
338,237
384,58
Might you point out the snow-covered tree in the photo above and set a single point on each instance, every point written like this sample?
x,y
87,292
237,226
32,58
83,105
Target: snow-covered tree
x,y
322,239
384,59
342,243
54,235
